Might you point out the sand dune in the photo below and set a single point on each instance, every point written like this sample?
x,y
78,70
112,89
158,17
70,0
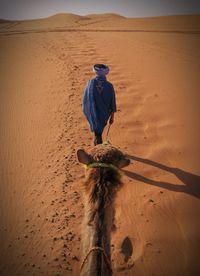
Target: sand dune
x,y
156,78
183,23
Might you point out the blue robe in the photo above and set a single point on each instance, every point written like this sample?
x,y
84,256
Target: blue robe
x,y
98,103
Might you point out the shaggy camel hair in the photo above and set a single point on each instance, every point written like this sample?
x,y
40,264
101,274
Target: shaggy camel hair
x,y
103,179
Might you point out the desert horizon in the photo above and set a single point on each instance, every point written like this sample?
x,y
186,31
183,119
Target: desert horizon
x,y
102,14
154,68
66,19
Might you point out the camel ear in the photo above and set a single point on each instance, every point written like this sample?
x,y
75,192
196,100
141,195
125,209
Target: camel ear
x,y
123,162
83,157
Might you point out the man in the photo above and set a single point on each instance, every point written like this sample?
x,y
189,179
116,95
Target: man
x,y
99,102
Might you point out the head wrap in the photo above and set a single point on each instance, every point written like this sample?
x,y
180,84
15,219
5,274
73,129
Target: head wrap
x,y
101,69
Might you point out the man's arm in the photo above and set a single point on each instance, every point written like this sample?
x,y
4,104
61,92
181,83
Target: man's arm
x,y
113,107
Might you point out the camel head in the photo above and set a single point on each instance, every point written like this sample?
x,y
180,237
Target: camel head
x,y
106,154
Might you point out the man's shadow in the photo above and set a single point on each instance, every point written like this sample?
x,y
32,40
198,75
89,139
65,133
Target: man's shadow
x,y
191,182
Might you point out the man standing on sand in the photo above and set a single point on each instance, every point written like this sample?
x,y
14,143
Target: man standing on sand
x,y
99,102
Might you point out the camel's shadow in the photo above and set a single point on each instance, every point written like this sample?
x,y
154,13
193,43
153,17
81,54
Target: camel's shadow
x,y
191,182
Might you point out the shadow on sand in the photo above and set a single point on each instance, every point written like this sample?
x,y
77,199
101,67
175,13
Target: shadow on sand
x,y
191,182
127,249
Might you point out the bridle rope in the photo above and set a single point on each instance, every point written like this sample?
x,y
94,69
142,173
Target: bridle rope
x,y
97,248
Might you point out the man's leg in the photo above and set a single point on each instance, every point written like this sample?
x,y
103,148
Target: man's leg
x,y
98,138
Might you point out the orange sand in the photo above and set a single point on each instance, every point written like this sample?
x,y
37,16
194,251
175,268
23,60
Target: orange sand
x,y
43,71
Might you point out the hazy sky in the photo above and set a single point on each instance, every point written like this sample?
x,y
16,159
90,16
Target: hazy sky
x,y
26,9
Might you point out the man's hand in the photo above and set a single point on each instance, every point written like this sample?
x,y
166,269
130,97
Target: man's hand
x,y
111,121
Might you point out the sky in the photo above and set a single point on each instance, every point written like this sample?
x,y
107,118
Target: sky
x,y
31,9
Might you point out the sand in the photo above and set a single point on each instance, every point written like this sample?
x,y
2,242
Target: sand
x,y
154,67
